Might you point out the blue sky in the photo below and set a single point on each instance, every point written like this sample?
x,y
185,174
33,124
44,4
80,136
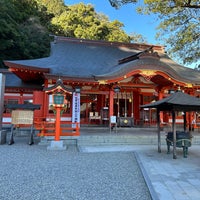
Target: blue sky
x,y
133,22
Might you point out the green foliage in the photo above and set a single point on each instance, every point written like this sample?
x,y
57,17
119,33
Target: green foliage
x,y
118,3
179,27
25,26
21,34
137,38
55,7
81,21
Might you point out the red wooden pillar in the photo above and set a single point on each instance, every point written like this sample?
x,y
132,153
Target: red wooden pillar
x,y
99,103
87,111
103,101
160,96
57,133
111,98
46,100
38,98
136,98
21,100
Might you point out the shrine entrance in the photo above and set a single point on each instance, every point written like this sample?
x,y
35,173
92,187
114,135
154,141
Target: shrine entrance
x,y
94,109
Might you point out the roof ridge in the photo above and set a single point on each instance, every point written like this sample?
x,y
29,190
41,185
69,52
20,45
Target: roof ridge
x,y
140,46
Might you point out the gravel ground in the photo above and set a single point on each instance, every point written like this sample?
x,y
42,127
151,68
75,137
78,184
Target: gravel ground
x,y
34,173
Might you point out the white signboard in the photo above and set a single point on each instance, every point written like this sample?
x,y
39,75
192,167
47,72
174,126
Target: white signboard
x,y
113,119
22,117
75,108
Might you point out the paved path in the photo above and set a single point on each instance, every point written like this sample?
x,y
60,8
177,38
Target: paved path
x,y
172,179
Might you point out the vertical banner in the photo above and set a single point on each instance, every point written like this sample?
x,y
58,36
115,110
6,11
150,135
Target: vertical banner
x,y
75,108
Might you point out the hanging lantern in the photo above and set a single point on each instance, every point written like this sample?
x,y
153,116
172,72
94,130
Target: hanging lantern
x,y
58,99
116,89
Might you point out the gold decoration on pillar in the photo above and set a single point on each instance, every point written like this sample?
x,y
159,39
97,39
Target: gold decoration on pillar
x,y
148,74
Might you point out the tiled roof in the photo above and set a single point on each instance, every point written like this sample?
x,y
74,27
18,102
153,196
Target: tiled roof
x,y
77,58
12,81
178,101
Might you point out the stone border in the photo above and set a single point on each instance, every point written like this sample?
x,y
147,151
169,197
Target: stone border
x,y
153,193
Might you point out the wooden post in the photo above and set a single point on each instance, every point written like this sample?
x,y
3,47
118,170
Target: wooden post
x,y
185,121
158,125
160,96
111,95
57,133
38,98
132,104
174,133
118,114
125,105
136,105
46,101
111,101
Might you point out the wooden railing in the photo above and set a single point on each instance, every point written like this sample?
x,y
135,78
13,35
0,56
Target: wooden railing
x,y
47,128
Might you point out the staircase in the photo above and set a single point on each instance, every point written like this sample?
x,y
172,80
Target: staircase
x,y
102,136
118,140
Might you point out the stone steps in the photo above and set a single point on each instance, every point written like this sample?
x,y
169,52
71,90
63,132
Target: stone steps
x,y
100,140
99,136
118,140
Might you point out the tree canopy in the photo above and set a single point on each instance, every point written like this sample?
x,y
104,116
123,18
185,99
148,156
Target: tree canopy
x,y
27,24
179,28
81,21
22,34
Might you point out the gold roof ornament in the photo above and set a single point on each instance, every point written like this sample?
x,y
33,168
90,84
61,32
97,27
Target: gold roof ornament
x,y
148,74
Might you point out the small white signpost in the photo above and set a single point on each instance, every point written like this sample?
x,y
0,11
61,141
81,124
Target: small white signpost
x,y
113,123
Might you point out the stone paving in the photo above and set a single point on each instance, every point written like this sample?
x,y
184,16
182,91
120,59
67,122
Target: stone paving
x,y
167,178
172,179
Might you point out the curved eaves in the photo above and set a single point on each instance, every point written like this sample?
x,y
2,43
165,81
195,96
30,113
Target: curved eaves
x,y
165,64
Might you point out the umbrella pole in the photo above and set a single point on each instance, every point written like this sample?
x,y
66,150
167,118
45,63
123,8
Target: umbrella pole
x,y
174,134
158,125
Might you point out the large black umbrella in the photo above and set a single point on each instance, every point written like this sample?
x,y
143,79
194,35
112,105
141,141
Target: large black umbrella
x,y
177,101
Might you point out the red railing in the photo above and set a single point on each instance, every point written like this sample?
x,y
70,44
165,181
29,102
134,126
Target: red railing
x,y
47,128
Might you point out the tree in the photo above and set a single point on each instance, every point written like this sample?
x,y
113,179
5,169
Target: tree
x,y
27,24
21,34
81,21
179,27
55,7
137,38
170,3
118,3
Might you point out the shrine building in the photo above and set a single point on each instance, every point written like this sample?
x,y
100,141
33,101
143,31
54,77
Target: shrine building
x,y
111,78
